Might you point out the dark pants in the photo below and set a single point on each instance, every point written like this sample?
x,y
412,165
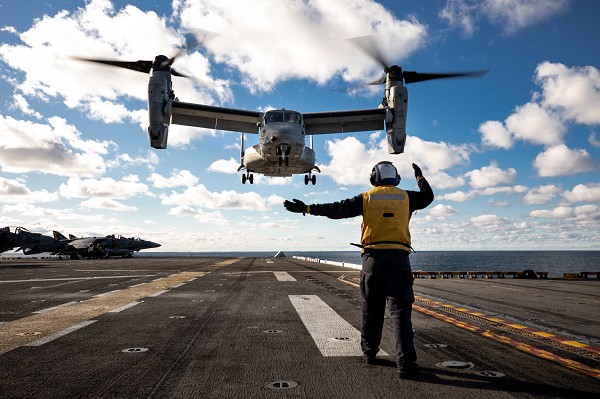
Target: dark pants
x,y
386,275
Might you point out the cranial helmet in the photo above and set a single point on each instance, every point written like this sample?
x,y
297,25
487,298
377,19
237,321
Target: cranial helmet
x,y
385,173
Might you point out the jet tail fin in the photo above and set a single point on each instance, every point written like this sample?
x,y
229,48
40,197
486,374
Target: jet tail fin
x,y
58,236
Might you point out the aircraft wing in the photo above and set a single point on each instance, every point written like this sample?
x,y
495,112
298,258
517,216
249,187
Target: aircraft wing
x,y
344,121
236,120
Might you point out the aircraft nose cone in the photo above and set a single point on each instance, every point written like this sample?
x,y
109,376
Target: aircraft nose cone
x,y
153,244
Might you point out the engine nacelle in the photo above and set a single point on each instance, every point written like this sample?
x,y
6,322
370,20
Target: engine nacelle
x,y
160,106
397,103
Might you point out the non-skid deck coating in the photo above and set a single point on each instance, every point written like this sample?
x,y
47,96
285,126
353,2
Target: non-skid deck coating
x,y
209,327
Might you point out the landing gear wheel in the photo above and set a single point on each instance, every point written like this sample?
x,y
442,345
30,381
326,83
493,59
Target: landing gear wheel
x,y
306,180
313,180
251,179
244,179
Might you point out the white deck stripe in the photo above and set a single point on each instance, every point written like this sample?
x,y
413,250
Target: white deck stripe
x,y
325,325
158,293
60,333
284,276
56,307
73,279
122,308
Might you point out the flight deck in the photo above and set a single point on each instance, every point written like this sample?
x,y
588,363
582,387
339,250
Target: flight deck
x,y
225,327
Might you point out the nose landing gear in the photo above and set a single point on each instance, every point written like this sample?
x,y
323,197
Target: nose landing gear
x,y
310,177
248,177
283,151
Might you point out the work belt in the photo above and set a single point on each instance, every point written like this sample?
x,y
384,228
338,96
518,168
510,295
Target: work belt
x,y
384,242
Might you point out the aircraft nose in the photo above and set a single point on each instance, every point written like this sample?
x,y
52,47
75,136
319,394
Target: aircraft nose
x,y
285,135
153,244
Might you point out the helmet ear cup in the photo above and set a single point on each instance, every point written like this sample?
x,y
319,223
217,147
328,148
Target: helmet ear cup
x,y
373,178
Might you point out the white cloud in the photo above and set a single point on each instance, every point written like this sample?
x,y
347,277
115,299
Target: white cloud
x,y
457,196
574,91
105,187
583,193
568,95
97,30
494,134
491,176
212,218
52,214
593,140
178,178
581,214
511,15
535,124
518,189
442,211
489,223
122,160
107,111
458,13
22,104
541,194
514,15
106,203
306,31
229,166
200,196
562,161
16,191
352,161
55,148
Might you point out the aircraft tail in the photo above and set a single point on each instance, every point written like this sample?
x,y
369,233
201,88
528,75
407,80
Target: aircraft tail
x,y
58,236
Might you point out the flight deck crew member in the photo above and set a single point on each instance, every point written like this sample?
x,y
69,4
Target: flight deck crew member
x,y
386,245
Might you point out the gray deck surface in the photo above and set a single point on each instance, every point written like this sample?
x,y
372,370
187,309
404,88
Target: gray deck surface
x,y
209,327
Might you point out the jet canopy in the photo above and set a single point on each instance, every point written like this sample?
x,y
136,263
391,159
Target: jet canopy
x,y
14,229
282,115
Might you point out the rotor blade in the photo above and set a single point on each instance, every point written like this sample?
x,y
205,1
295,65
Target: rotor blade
x,y
368,45
414,77
379,81
175,73
140,66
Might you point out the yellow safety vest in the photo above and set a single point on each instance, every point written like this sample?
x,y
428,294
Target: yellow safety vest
x,y
386,214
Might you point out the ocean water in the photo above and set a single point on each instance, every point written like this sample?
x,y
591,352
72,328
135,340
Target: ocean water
x,y
554,262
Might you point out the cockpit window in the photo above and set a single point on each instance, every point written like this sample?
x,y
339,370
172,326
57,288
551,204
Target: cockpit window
x,y
274,116
283,116
294,117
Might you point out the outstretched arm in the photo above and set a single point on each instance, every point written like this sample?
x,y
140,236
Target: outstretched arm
x,y
347,208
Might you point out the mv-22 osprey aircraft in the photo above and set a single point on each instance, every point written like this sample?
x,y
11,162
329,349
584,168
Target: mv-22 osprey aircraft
x,y
282,149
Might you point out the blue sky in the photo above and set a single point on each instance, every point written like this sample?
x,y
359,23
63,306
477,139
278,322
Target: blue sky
x,y
513,157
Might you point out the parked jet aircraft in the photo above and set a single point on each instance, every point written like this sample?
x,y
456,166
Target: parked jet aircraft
x,y
14,236
75,247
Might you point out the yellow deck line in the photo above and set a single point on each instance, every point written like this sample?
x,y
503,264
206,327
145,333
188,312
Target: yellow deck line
x,y
571,364
228,262
28,329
